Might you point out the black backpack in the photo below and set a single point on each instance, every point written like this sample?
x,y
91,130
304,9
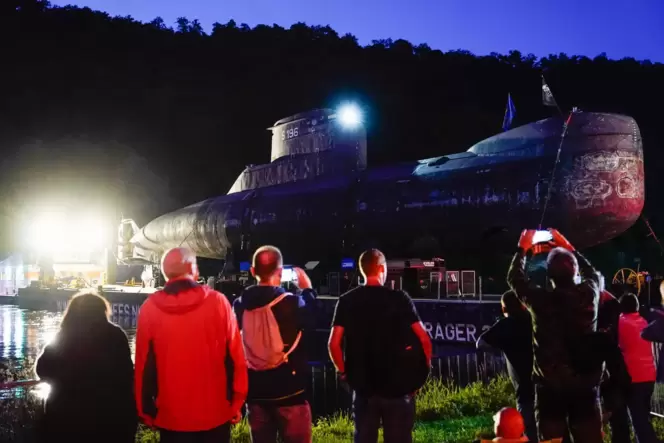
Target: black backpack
x,y
395,368
407,368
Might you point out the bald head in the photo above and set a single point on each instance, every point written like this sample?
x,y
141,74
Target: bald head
x,y
179,262
267,263
372,267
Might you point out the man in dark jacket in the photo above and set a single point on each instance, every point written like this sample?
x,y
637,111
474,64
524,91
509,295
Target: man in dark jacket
x,y
654,332
277,401
513,335
567,369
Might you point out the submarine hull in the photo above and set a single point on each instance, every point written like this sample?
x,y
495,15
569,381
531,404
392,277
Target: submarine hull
x,y
447,205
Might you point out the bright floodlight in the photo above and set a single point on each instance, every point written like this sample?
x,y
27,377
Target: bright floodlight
x,y
56,233
350,116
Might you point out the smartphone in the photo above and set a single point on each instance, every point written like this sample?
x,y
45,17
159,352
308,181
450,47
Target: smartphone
x,y
288,275
542,237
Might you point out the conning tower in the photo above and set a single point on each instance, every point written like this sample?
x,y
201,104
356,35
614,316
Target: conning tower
x,y
306,146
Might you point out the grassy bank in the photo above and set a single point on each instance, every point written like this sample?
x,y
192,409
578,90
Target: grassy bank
x,y
445,414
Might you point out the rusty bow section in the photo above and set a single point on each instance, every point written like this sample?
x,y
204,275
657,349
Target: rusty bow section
x,y
602,177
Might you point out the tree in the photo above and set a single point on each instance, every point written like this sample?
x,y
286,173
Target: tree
x,y
196,106
183,25
158,23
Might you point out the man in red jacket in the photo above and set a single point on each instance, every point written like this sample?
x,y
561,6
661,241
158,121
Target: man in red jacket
x,y
187,335
641,366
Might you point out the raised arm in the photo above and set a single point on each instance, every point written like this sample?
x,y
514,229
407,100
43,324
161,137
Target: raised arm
x,y
589,275
516,275
654,332
517,279
306,301
307,310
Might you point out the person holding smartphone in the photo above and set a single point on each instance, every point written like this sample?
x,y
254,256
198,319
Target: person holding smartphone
x,y
567,366
274,324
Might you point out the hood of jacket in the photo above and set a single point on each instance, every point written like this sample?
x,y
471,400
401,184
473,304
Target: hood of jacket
x,y
180,296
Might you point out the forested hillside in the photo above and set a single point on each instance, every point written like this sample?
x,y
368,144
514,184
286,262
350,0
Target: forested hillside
x,y
158,115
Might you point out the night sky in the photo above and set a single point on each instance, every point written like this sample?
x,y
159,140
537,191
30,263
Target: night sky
x,y
621,28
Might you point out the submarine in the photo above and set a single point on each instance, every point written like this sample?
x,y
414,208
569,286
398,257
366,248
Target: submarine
x,y
318,200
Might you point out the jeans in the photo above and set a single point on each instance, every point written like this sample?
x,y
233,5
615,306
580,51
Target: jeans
x,y
615,406
525,404
579,407
221,434
396,414
638,403
292,423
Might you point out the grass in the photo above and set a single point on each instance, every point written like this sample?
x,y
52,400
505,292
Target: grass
x,y
445,414
339,429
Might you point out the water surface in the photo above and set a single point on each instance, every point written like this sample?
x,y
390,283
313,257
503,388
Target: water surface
x,y
24,333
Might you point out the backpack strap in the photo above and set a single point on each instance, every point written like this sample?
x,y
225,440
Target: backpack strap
x,y
299,334
278,299
293,346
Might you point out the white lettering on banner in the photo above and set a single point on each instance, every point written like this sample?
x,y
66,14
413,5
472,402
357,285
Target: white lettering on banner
x,y
428,264
124,309
117,309
465,332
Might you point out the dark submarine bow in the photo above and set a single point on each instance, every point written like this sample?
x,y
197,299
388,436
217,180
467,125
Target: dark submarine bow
x,y
317,200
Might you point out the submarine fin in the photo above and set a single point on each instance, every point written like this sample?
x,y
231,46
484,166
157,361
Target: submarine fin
x,y
129,252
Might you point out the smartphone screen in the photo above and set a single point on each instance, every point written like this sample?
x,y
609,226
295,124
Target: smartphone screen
x,y
542,237
287,275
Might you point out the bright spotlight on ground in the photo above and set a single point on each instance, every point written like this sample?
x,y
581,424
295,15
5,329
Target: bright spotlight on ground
x,y
349,116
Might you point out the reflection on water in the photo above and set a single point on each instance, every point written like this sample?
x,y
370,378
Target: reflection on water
x,y
25,333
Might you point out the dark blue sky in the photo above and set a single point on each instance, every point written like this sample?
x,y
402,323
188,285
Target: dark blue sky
x,y
621,28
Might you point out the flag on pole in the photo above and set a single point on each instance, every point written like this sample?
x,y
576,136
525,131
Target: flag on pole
x,y
547,95
510,113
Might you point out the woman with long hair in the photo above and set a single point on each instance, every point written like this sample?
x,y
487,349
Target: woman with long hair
x,y
89,369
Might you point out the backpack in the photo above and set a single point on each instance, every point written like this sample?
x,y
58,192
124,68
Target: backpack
x,y
407,370
263,344
403,367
